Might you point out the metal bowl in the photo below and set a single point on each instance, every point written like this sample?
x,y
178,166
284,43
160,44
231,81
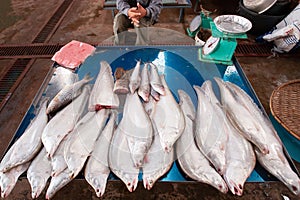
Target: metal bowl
x,y
234,24
259,6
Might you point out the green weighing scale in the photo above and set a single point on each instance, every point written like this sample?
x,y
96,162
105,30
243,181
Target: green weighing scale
x,y
224,43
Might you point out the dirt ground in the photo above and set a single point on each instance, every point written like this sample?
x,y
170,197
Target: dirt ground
x,y
86,21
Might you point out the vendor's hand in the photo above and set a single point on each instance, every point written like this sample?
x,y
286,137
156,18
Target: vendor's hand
x,y
134,13
141,10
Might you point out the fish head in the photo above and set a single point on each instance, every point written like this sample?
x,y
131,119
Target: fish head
x,y
148,182
235,186
6,184
37,185
131,182
99,184
214,179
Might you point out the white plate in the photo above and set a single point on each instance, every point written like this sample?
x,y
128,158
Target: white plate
x,y
196,22
232,24
210,45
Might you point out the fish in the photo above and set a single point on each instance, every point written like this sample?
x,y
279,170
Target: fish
x,y
38,173
155,80
168,119
137,128
211,132
102,95
135,78
9,178
240,156
191,160
97,169
60,78
244,114
58,162
144,88
67,94
64,121
158,162
154,94
29,143
276,163
58,182
81,143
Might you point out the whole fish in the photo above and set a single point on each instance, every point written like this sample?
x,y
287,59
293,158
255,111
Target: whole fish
x,y
247,120
120,158
67,94
155,80
58,182
97,169
82,141
158,161
102,95
190,158
277,164
240,157
58,162
60,78
137,128
211,132
144,89
29,144
9,178
135,78
168,119
38,173
64,121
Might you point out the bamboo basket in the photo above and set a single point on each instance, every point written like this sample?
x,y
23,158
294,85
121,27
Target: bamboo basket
x,y
285,106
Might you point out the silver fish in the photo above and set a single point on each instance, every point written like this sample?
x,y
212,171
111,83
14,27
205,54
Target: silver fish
x,y
64,121
97,169
277,164
102,95
58,182
67,94
137,127
29,144
144,89
120,158
9,179
60,78
158,161
240,157
155,80
168,119
247,120
135,78
211,131
190,158
81,143
38,173
154,94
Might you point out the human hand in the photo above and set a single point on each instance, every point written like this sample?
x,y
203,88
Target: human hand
x,y
134,15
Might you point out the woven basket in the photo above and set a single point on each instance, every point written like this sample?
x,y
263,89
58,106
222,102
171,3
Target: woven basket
x,y
285,106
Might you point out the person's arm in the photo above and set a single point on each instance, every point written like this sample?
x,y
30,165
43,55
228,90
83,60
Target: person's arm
x,y
123,6
153,9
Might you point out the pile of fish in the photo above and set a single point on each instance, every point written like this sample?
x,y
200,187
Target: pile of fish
x,y
87,128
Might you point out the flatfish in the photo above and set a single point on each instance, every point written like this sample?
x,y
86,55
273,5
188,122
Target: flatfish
x,y
64,121
102,95
190,158
67,94
97,169
38,173
81,143
168,119
211,132
29,144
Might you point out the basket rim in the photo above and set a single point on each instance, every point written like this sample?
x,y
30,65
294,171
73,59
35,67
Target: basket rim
x,y
274,114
